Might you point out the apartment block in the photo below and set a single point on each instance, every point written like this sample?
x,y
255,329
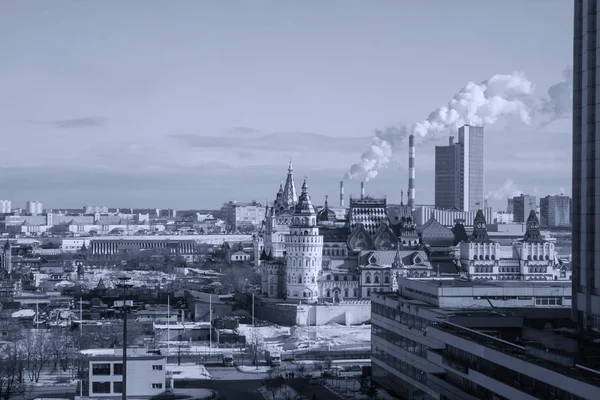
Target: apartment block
x,y
555,211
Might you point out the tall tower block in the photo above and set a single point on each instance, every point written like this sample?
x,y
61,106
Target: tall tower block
x,y
411,172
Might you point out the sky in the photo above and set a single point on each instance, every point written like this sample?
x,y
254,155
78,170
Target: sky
x,y
188,104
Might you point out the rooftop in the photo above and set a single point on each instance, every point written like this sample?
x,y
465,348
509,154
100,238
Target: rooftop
x,y
580,373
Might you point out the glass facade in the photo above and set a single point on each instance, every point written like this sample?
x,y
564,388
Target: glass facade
x,y
471,137
586,166
447,177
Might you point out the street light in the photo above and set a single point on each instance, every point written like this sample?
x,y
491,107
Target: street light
x,y
124,306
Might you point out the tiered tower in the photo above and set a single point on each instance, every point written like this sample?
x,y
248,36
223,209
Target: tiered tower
x,y
304,251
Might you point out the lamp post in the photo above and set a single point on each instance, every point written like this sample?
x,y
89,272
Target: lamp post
x,y
124,307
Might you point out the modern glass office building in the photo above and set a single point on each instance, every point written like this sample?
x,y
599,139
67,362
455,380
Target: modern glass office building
x,y
586,166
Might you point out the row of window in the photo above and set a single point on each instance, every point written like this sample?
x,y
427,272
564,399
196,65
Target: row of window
x,y
386,278
398,315
117,387
548,301
398,340
117,368
403,367
307,262
525,383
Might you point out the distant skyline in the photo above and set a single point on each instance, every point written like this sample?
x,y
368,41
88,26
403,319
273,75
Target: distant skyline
x,y
189,104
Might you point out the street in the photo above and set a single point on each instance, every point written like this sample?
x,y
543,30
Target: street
x,y
231,389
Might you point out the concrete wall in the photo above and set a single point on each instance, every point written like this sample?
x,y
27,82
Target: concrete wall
x,y
346,313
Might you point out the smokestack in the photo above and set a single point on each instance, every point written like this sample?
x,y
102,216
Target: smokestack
x,y
341,193
362,190
411,172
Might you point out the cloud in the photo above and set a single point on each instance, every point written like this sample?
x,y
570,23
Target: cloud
x,y
74,123
243,130
206,186
277,141
246,155
507,190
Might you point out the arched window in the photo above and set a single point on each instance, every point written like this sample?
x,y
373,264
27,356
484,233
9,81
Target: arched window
x,y
313,279
368,292
346,292
313,262
299,279
307,263
293,262
386,279
368,279
328,277
295,294
328,293
376,278
336,278
303,294
355,292
345,278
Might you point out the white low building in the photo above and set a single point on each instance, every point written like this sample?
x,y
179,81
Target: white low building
x,y
146,373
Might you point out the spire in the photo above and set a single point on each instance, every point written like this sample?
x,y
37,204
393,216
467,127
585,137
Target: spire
x,y
289,197
326,203
532,231
402,197
290,168
304,205
397,259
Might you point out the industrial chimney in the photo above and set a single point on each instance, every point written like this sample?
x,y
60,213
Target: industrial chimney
x,y
341,193
362,190
411,172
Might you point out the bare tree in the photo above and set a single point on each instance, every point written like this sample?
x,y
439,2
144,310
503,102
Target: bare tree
x,y
256,343
301,369
111,335
319,366
11,371
39,351
273,383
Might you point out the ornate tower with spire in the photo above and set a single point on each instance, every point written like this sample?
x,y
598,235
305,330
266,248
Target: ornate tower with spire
x,y
304,251
279,217
289,198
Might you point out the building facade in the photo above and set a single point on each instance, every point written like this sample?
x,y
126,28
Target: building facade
x,y
239,216
586,167
5,206
146,374
522,207
459,171
448,194
34,207
555,211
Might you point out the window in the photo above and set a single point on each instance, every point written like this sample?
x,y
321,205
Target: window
x,y
117,387
157,367
101,369
157,386
118,369
368,279
101,387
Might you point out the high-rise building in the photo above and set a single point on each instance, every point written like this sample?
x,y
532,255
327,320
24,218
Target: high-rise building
x,y
555,211
34,207
522,207
448,193
5,206
459,172
586,167
510,207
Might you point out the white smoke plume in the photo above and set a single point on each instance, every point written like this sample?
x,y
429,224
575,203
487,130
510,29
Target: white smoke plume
x,y
508,190
500,96
559,101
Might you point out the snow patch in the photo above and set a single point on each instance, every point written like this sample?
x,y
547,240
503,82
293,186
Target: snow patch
x,y
23,314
